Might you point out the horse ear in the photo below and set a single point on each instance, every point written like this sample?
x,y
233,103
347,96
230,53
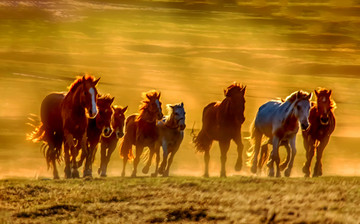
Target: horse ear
x,y
316,93
159,95
112,100
243,90
329,92
309,96
124,109
182,104
96,81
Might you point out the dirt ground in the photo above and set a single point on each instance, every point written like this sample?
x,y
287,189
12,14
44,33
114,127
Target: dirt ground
x,y
181,200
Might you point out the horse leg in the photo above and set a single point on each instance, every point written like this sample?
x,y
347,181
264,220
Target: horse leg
x,y
258,137
53,161
125,159
139,150
146,168
286,161
165,155
293,154
224,148
239,148
319,153
263,155
274,157
87,172
310,151
171,158
102,169
69,143
157,153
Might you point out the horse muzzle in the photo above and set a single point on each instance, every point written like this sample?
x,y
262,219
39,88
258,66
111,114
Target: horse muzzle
x,y
119,134
182,127
92,113
324,120
305,126
160,116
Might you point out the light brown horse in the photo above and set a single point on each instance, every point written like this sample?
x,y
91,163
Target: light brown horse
x,y
141,130
322,125
78,105
222,122
108,144
50,130
100,126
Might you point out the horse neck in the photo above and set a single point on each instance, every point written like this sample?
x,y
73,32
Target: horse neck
x,y
146,116
289,110
225,107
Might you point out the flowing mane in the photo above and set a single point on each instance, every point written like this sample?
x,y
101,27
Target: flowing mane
x,y
296,95
145,103
233,88
106,99
79,80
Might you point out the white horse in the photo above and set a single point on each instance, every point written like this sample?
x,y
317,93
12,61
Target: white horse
x,y
278,120
171,133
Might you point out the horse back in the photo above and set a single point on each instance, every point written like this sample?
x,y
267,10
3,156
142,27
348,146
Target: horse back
x,y
209,114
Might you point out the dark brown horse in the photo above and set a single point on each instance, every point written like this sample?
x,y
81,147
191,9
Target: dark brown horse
x,y
141,130
322,125
50,131
222,122
100,126
108,144
78,105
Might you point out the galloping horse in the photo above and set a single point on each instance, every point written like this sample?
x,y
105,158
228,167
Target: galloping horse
x,y
171,133
100,126
141,130
278,121
50,131
222,122
108,144
322,125
78,105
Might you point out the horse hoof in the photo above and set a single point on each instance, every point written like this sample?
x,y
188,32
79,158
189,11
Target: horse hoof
x,y
103,175
278,174
254,169
206,175
222,174
133,175
161,171
287,172
154,175
122,174
87,173
99,171
166,174
238,166
271,173
145,170
75,174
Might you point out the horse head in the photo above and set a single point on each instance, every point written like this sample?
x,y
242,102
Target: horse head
x,y
152,105
89,95
324,105
103,119
302,108
236,93
118,120
178,115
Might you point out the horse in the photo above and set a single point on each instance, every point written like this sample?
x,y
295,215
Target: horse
x,y
278,120
50,130
221,121
141,130
100,126
322,125
108,144
78,105
171,133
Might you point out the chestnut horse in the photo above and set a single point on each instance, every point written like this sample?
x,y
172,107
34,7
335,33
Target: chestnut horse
x,y
278,121
171,133
50,131
100,126
222,122
141,130
78,105
108,144
322,125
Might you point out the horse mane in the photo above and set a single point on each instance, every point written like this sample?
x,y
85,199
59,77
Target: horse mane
x,y
145,103
322,91
106,99
296,95
233,88
79,80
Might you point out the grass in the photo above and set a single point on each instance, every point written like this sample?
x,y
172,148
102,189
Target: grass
x,y
181,199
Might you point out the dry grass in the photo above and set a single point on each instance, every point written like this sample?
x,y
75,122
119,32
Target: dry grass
x,y
181,199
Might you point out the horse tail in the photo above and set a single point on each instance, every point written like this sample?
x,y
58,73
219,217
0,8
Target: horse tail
x,y
202,141
129,138
38,134
251,151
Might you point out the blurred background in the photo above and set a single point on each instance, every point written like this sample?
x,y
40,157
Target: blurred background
x,y
190,51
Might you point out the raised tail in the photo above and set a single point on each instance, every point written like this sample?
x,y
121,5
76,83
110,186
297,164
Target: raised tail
x,y
251,151
126,149
38,134
202,141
